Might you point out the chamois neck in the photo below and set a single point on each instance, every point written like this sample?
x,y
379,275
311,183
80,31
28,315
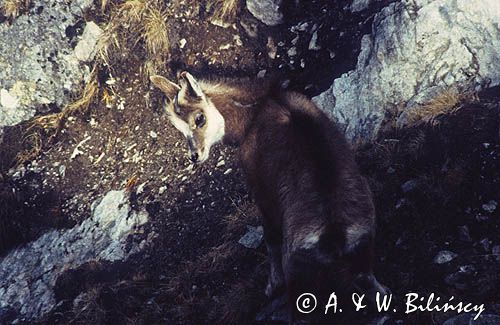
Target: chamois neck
x,y
239,106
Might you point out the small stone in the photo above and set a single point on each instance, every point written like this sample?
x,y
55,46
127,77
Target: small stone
x,y
292,51
360,5
62,171
272,50
267,11
261,74
444,257
253,237
86,48
228,171
182,43
220,163
409,186
153,134
490,206
313,43
162,190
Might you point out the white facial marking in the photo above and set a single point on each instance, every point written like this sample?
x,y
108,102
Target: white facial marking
x,y
179,124
215,129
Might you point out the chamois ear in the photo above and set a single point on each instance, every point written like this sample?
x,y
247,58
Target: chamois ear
x,y
168,87
192,86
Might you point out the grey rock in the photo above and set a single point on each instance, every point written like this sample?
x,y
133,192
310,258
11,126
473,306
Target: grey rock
x,y
490,207
417,48
313,43
85,50
267,11
360,5
253,237
444,257
28,274
37,63
409,186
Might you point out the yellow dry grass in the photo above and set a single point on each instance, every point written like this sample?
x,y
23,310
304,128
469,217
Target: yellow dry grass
x,y
224,10
445,103
131,22
12,8
52,123
104,5
155,32
34,143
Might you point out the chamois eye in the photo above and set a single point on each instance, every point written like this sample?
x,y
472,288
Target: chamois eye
x,y
199,120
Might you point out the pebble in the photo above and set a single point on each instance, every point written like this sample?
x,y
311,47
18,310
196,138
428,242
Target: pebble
x,y
444,257
229,171
182,43
490,206
292,51
253,237
220,163
409,186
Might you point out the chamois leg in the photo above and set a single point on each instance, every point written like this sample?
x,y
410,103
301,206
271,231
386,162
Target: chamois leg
x,y
276,277
302,273
362,263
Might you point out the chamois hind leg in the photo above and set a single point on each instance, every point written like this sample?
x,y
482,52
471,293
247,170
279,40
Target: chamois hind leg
x,y
276,278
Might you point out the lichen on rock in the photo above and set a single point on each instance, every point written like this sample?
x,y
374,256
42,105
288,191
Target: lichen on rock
x,y
417,49
38,65
28,274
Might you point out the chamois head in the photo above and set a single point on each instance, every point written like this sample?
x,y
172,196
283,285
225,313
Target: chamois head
x,y
192,113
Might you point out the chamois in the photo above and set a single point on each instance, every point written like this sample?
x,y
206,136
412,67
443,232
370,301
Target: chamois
x,y
317,209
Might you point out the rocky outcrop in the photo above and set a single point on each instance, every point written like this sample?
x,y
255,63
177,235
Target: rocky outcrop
x,y
28,274
38,65
417,49
267,11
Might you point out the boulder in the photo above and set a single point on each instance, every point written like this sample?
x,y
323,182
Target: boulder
x,y
267,11
38,65
28,274
417,49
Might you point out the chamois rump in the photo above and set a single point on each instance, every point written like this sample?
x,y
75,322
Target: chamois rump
x,y
318,215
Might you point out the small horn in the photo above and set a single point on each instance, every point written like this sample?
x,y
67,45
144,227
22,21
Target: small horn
x,y
193,85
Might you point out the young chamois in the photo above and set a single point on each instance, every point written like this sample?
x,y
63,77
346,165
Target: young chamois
x,y
317,209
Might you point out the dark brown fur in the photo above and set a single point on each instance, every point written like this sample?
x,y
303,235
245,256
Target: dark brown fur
x,y
317,209
304,177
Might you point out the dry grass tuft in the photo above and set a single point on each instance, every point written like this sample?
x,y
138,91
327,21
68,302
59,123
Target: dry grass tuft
x,y
155,35
224,11
104,5
34,142
13,8
445,103
52,123
88,310
135,21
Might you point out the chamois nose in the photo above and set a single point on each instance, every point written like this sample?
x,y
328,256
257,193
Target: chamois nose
x,y
194,157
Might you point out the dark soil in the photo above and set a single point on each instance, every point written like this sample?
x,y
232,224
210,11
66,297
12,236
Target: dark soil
x,y
193,270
